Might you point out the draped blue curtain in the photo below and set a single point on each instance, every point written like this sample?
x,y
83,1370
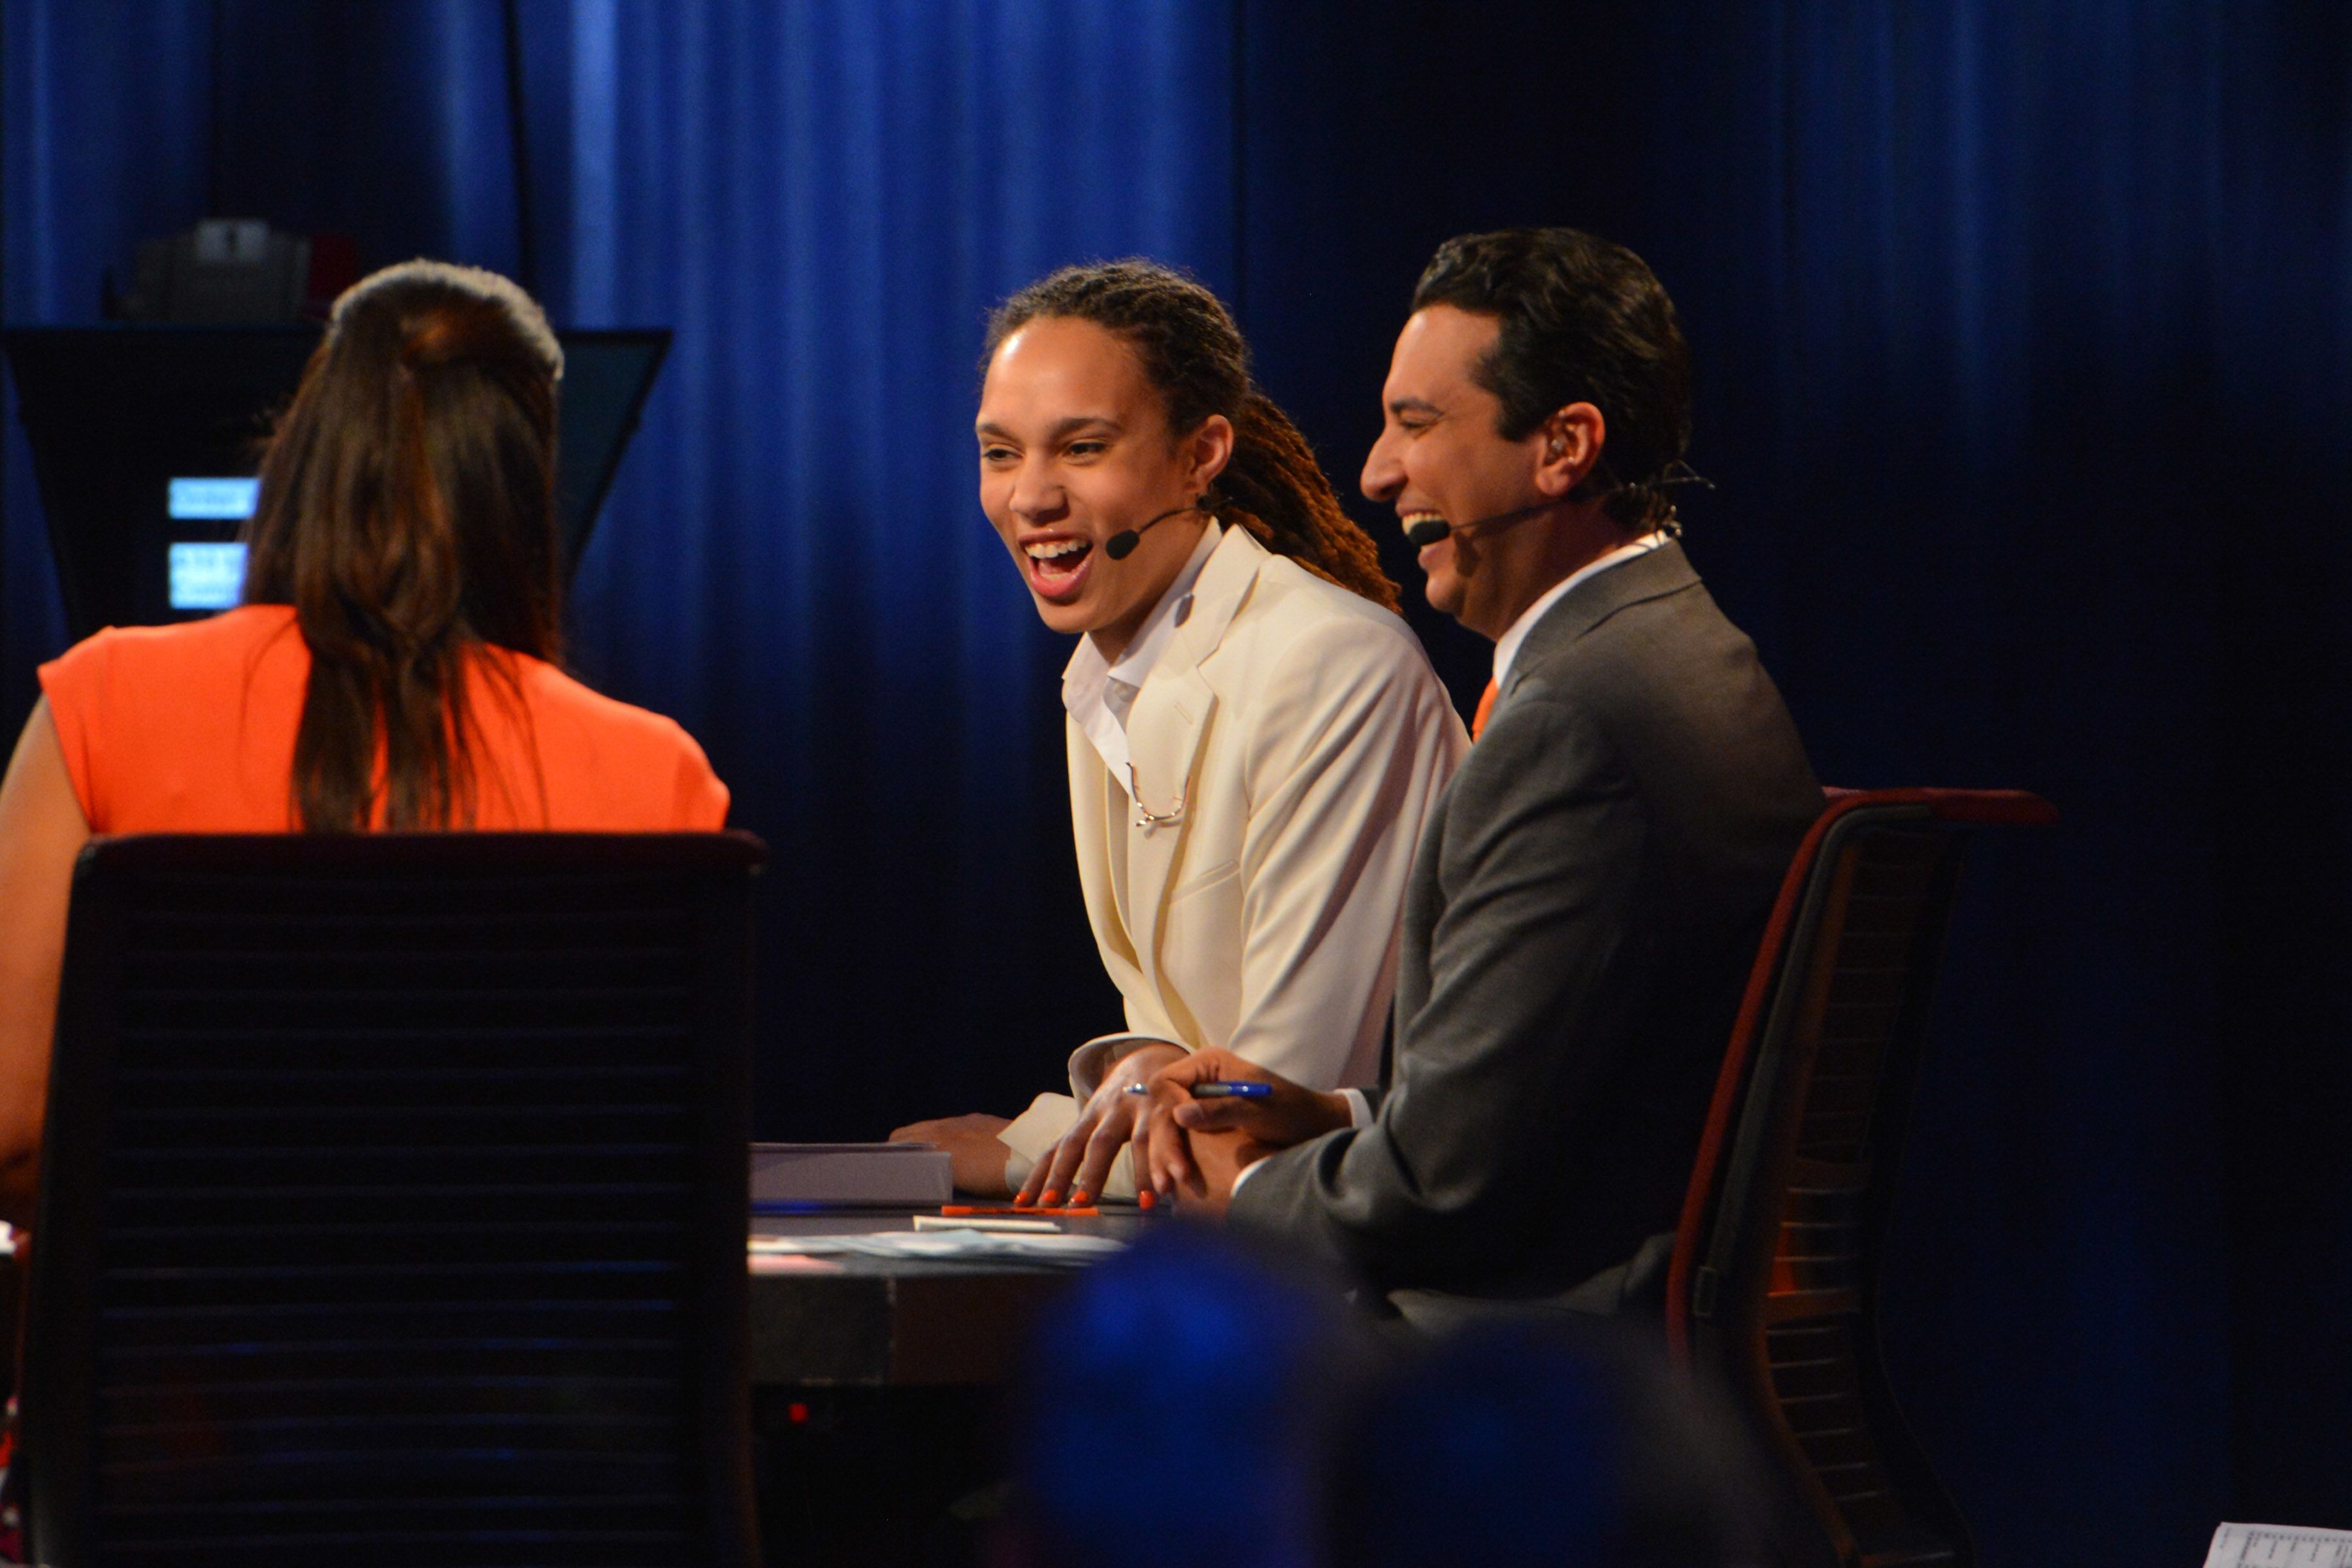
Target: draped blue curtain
x,y
2024,358
821,202
2024,373
1976,319
2034,360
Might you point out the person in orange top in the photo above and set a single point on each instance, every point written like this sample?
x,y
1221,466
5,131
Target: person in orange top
x,y
390,669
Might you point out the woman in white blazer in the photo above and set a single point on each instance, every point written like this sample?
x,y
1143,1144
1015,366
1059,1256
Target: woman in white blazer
x,y
1254,736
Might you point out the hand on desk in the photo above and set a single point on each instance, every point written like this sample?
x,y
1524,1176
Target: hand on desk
x,y
1075,1170
1195,1148
974,1152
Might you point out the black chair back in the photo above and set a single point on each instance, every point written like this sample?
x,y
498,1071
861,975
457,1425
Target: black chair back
x,y
393,1203
1775,1274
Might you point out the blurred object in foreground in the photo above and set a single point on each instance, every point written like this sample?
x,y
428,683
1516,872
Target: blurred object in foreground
x,y
1173,1411
1196,1402
1564,1445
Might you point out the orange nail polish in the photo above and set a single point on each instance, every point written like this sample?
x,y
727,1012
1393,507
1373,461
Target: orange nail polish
x,y
1052,1198
1078,1198
1146,1198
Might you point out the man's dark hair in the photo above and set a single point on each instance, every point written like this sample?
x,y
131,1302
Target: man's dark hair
x,y
1583,321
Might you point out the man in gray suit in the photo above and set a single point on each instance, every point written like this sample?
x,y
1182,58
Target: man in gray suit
x,y
1587,899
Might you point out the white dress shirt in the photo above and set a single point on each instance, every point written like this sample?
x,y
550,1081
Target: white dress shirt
x,y
1099,695
1506,647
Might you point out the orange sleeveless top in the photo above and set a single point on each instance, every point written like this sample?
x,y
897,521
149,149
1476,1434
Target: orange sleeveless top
x,y
190,729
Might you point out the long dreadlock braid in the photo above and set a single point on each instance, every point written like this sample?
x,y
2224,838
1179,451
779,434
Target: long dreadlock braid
x,y
1193,356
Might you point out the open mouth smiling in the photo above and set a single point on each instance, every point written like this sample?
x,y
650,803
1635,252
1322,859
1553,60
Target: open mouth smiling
x,y
1057,565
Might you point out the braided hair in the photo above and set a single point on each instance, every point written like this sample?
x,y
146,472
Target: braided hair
x,y
1193,356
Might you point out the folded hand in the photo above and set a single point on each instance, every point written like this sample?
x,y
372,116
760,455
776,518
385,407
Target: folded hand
x,y
1197,1146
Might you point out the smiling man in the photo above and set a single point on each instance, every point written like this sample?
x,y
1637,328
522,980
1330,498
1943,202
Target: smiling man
x,y
1586,900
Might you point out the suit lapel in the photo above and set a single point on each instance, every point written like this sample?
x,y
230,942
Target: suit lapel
x,y
1097,810
1163,735
1173,714
1666,570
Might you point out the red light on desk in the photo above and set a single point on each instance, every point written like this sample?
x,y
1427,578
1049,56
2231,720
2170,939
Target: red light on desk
x,y
796,1413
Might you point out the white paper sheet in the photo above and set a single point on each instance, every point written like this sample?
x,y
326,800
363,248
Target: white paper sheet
x,y
950,1245
2279,1546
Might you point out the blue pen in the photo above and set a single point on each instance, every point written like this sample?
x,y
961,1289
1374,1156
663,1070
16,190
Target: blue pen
x,y
1218,1088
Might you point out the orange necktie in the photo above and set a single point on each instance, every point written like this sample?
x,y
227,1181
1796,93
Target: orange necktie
x,y
1486,707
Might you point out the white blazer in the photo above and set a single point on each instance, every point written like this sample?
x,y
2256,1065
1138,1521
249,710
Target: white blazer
x,y
1287,746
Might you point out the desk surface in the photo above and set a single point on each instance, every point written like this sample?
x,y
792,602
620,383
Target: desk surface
x,y
880,1322
871,1322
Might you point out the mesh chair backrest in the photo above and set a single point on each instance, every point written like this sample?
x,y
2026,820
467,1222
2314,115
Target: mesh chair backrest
x,y
1776,1263
394,1204
1832,1090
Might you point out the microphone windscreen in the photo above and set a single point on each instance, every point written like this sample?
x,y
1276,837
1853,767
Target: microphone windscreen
x,y
1422,535
1121,545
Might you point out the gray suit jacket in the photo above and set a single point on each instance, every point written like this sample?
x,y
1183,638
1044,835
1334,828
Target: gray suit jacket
x,y
1583,912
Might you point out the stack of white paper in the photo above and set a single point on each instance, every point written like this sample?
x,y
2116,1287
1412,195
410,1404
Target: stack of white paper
x,y
851,1173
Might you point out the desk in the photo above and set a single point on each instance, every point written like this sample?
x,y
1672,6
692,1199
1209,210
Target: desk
x,y
876,1323
875,1387
880,1322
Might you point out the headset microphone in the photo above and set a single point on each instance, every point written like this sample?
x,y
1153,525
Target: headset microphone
x,y
1429,530
1121,545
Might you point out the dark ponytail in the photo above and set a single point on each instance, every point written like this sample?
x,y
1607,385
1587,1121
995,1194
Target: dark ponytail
x,y
407,515
1272,485
1193,356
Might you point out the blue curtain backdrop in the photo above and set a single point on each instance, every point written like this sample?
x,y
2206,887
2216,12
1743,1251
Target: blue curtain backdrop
x,y
823,202
2026,370
2024,361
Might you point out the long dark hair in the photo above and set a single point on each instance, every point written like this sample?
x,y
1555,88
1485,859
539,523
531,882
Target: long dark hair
x,y
408,514
1193,356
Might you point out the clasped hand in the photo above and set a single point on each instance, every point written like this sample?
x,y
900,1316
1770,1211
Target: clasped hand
x,y
1188,1149
1195,1148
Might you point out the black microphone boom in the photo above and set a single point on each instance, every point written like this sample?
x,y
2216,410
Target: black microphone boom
x,y
1121,545
1429,530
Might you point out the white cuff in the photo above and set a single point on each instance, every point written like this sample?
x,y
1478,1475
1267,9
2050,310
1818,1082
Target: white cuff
x,y
1092,1061
1242,1176
1033,1134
